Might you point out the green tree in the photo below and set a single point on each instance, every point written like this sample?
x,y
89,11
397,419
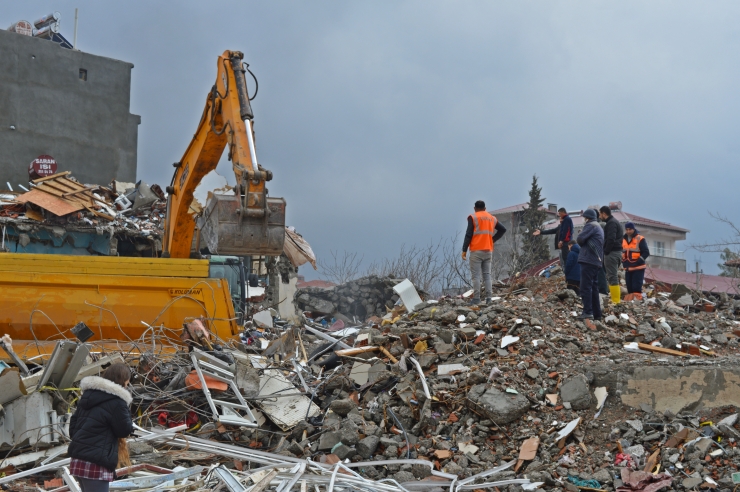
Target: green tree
x,y
729,271
534,249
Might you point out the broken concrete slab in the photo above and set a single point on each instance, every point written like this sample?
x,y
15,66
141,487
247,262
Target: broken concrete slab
x,y
11,385
342,407
22,416
500,407
366,447
575,390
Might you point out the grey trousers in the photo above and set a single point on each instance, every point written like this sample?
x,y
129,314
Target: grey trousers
x,y
611,265
564,256
480,266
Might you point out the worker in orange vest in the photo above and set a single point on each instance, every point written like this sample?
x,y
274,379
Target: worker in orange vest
x,y
483,230
634,253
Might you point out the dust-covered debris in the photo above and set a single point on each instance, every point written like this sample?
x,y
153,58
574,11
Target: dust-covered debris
x,y
427,400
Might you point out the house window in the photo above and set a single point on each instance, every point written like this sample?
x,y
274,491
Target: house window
x,y
659,248
83,74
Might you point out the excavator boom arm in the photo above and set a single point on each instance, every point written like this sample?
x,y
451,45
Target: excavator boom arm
x,y
226,120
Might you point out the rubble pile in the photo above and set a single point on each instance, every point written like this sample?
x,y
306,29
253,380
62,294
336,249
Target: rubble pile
x,y
515,394
60,214
357,299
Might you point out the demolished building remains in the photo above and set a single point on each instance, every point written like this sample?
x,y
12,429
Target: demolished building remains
x,y
375,388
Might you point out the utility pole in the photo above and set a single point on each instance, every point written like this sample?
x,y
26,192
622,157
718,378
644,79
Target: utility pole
x,y
74,42
698,275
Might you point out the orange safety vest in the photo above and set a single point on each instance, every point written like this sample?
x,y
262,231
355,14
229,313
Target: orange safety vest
x,y
484,225
631,252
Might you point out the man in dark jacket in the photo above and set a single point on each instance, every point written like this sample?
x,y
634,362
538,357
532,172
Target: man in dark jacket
x,y
613,233
591,259
563,234
572,268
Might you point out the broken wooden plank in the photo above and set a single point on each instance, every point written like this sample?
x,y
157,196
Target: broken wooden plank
x,y
660,350
388,354
527,452
87,188
356,351
651,461
53,176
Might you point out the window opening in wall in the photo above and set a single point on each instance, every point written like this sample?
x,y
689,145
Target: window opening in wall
x,y
659,248
83,74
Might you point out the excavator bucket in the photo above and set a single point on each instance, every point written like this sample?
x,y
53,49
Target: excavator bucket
x,y
226,233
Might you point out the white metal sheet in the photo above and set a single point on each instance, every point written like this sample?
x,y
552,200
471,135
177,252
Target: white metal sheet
x,y
285,411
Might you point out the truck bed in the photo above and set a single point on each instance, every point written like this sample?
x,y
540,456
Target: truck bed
x,y
43,296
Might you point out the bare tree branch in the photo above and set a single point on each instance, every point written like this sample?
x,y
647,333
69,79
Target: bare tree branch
x,y
455,277
342,268
733,242
421,265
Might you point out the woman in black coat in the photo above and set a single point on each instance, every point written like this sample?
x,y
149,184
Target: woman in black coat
x,y
102,419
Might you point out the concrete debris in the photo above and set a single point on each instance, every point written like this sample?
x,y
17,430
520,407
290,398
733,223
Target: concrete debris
x,y
11,386
576,391
370,391
60,215
361,299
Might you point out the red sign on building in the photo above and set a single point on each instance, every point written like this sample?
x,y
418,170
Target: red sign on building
x,y
43,165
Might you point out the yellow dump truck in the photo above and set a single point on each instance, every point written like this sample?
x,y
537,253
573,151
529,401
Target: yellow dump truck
x,y
44,296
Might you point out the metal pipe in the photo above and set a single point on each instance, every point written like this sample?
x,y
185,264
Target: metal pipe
x,y
327,337
333,478
250,139
34,471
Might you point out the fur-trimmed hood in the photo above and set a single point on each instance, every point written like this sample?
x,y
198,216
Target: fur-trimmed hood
x,y
106,386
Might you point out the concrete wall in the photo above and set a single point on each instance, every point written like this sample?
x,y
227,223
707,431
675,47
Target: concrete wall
x,y
286,293
85,125
674,388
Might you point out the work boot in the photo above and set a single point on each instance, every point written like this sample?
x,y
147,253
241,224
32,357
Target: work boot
x,y
616,294
474,302
488,301
585,316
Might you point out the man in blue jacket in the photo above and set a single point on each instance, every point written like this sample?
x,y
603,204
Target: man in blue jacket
x,y
591,259
563,234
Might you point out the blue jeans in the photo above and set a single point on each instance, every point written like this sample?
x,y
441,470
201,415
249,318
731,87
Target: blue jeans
x,y
590,289
634,280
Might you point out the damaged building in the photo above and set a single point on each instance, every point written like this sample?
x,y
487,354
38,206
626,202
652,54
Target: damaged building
x,y
65,105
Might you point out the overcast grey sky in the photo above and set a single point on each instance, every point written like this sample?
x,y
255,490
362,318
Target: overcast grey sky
x,y
384,121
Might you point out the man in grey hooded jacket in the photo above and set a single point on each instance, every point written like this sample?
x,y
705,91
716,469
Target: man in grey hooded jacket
x,y
591,259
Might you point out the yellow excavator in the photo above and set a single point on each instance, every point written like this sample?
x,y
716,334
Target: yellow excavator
x,y
246,223
126,300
